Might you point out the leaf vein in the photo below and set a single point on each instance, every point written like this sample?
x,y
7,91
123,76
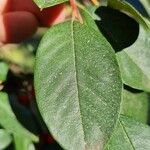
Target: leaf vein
x,y
127,135
75,65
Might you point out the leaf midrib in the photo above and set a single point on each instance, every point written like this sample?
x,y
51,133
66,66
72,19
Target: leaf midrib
x,y
76,77
127,134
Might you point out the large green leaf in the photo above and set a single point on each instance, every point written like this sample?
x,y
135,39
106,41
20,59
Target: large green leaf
x,y
48,3
124,6
78,86
5,139
9,122
134,62
3,71
135,105
130,135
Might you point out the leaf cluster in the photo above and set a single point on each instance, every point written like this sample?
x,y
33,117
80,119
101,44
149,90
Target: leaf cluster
x,y
91,80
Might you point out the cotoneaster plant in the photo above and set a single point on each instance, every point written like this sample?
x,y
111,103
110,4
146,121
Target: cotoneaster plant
x,y
78,81
91,80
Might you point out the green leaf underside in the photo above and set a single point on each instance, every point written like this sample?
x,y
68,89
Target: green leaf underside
x,y
129,135
9,121
134,62
5,139
3,71
135,105
78,86
48,3
126,7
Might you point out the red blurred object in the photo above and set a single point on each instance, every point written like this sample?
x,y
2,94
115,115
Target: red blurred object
x,y
24,99
33,92
47,138
19,19
48,16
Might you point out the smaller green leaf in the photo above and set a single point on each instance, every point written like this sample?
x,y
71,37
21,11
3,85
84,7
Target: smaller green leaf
x,y
129,135
135,105
134,62
5,139
128,8
23,143
3,71
9,121
48,3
